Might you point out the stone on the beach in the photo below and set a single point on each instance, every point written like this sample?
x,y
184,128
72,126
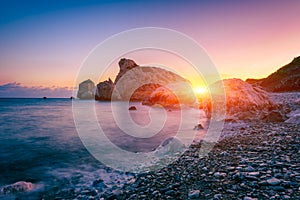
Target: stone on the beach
x,y
249,198
253,173
218,196
170,145
194,194
273,181
17,187
219,175
274,116
86,90
294,117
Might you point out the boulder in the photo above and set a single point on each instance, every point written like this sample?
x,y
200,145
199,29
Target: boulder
x,y
243,101
104,90
274,116
294,117
17,187
86,90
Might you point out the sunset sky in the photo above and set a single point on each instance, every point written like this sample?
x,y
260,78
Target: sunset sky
x,y
43,43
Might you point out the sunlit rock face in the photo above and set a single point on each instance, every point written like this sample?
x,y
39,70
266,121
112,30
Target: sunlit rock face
x,y
243,101
104,90
86,90
150,85
154,86
173,96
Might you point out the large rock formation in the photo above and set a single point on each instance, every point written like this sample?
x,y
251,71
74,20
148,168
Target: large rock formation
x,y
140,82
104,90
286,79
86,90
137,83
125,65
243,101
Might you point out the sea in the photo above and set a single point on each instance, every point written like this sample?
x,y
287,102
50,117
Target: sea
x,y
46,141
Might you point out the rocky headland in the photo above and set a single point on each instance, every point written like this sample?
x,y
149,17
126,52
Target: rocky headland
x,y
285,79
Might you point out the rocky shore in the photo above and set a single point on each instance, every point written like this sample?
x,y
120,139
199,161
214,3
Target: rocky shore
x,y
252,160
261,162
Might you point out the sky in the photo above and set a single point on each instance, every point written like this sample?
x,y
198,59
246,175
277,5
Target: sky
x,y
43,43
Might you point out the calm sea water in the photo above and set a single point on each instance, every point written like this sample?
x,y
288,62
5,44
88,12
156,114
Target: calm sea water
x,y
39,142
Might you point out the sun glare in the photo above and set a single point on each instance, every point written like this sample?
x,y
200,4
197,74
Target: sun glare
x,y
200,90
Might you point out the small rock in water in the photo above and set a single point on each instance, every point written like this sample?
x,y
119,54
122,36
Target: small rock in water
x,y
193,194
132,108
17,187
198,127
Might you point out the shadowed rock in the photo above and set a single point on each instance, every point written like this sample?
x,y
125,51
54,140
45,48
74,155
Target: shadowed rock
x,y
285,79
104,90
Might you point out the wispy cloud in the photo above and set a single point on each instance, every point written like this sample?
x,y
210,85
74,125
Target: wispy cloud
x,y
17,90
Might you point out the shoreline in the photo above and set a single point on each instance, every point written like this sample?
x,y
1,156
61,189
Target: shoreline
x,y
262,162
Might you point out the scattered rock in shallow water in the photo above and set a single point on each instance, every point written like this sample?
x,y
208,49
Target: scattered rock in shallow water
x,y
198,127
132,108
17,187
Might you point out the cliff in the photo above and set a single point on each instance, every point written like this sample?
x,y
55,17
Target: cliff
x,y
285,79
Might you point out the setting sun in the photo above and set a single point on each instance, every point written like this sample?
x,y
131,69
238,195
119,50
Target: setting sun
x,y
200,90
